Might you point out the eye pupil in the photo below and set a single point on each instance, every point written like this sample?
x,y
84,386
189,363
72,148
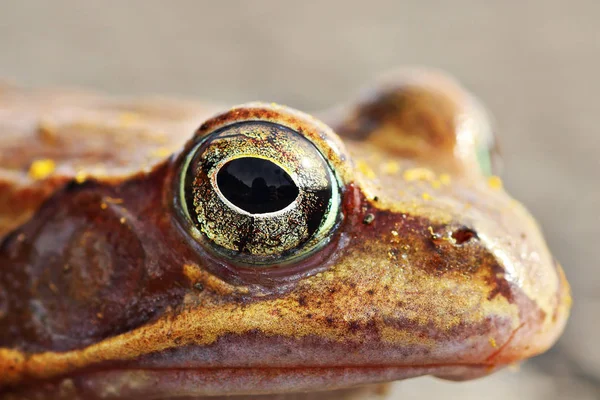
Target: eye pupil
x,y
256,185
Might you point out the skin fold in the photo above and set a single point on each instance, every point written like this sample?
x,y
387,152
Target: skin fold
x,y
107,291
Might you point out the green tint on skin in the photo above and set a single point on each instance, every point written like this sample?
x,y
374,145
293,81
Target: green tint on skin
x,y
484,159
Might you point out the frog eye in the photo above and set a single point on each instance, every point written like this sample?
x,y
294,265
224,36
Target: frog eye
x,y
259,193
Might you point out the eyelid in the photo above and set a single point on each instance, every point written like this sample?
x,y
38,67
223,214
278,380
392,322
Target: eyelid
x,y
318,133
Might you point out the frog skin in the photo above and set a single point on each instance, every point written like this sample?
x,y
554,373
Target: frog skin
x,y
109,289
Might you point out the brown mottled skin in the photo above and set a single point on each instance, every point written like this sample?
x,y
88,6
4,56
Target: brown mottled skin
x,y
434,269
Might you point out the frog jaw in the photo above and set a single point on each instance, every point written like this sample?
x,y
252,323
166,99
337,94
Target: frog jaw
x,y
140,383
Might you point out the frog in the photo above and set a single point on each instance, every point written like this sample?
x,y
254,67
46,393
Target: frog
x,y
156,247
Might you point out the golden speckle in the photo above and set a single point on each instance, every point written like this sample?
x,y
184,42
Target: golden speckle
x,y
365,169
395,237
99,315
568,300
122,220
418,174
445,179
493,342
436,184
431,232
103,205
80,177
161,152
391,168
426,196
113,200
41,169
192,272
495,182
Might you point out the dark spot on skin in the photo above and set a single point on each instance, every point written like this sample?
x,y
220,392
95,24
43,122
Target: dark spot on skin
x,y
370,292
309,316
329,321
240,300
368,219
499,283
376,198
199,286
302,301
353,326
463,235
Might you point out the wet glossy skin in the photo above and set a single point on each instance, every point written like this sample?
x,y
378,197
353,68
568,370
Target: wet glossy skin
x,y
433,268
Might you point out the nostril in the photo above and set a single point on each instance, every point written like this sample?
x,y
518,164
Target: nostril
x,y
463,235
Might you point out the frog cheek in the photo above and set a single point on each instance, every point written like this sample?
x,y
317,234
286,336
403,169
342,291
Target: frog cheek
x,y
260,189
450,276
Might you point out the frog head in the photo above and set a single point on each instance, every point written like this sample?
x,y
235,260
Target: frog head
x,y
270,252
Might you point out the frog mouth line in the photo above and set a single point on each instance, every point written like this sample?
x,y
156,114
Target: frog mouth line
x,y
131,383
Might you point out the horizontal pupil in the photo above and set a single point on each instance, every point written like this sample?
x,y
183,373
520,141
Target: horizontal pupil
x,y
256,185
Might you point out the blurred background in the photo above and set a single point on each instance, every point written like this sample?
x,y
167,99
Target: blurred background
x,y
535,64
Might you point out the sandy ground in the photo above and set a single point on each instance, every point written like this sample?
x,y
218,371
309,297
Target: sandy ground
x,y
535,64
